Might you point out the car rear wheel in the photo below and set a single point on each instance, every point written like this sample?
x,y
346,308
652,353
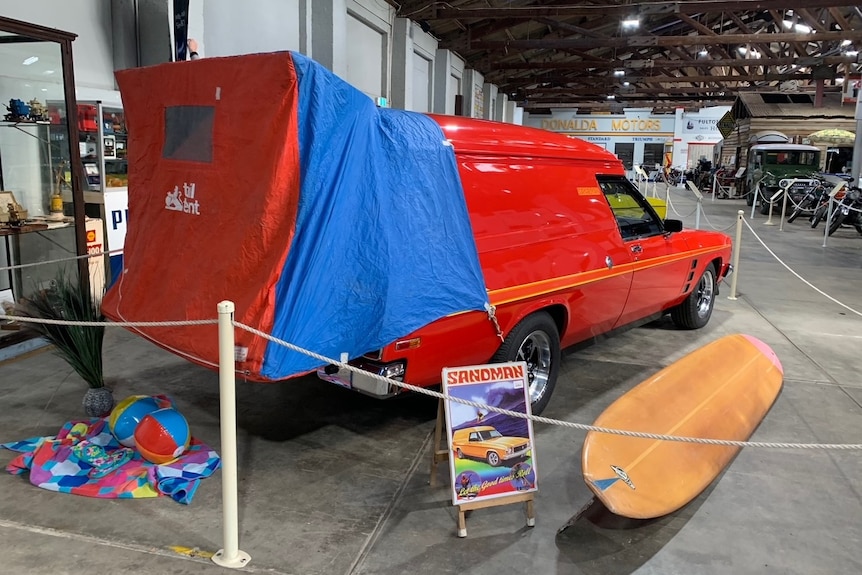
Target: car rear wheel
x,y
695,311
459,453
493,459
536,341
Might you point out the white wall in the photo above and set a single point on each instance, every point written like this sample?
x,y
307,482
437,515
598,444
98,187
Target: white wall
x,y
231,27
90,19
369,35
424,48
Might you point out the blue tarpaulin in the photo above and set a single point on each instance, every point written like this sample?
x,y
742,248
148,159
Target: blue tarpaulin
x,y
383,243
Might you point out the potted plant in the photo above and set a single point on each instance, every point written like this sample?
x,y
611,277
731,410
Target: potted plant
x,y
79,345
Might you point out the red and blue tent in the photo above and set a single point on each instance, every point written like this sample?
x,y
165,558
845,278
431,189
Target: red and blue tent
x,y
266,180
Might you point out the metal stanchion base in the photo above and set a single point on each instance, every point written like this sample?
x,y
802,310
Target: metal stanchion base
x,y
241,560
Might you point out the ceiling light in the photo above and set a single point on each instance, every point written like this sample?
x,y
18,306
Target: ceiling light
x,y
626,83
619,73
846,42
802,28
742,49
631,23
703,52
30,60
852,52
788,24
611,97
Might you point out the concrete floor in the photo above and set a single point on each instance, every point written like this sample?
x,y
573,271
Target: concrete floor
x,y
332,482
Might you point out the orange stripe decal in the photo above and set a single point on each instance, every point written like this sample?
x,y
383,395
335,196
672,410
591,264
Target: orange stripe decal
x,y
544,287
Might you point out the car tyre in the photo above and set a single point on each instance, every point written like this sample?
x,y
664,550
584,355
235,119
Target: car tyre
x,y
695,311
459,454
536,341
493,459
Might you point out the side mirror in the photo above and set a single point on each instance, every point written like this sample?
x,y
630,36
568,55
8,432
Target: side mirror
x,y
672,226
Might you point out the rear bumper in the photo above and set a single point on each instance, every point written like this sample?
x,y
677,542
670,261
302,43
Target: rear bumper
x,y
361,380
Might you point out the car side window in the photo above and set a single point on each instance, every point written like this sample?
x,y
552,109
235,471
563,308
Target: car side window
x,y
635,217
474,436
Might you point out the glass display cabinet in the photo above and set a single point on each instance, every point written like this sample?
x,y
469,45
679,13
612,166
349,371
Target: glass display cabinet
x,y
42,216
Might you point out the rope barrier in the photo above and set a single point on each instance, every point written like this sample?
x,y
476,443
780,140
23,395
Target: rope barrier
x,y
709,223
802,279
92,255
186,322
547,420
673,209
438,395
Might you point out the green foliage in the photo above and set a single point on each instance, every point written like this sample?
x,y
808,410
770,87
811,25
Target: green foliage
x,y
80,346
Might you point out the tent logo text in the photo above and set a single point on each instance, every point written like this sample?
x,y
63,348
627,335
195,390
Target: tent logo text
x,y
183,200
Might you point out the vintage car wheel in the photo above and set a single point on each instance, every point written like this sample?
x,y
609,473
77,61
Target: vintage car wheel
x,y
536,341
695,311
493,459
459,454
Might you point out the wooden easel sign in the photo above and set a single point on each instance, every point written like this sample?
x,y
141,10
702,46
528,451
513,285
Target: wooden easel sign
x,y
492,458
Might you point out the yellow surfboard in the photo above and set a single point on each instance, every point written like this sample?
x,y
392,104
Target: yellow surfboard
x,y
720,391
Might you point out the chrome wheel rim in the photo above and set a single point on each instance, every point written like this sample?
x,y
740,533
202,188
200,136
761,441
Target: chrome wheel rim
x,y
705,293
536,352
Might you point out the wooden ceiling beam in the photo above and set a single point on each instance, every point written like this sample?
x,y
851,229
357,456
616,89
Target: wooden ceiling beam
x,y
622,94
665,63
665,41
643,8
775,77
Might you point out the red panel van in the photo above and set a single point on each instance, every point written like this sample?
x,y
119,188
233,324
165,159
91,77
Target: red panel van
x,y
569,250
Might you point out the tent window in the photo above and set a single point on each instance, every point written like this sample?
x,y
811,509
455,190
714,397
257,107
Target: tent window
x,y
189,133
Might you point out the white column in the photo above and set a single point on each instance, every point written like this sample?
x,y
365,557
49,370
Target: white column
x,y
442,81
402,64
329,34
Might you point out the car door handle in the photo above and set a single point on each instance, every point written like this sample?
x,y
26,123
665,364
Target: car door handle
x,y
637,248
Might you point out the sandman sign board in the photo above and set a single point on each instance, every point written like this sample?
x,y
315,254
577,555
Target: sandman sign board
x,y
492,453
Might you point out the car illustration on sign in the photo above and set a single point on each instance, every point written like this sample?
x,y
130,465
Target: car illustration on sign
x,y
486,443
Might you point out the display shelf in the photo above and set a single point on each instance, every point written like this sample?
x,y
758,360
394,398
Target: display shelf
x,y
37,164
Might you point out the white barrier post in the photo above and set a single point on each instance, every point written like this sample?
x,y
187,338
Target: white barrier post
x,y
699,196
737,245
697,213
230,556
772,199
756,196
784,204
828,220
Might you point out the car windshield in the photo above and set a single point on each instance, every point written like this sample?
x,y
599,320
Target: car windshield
x,y
490,434
792,158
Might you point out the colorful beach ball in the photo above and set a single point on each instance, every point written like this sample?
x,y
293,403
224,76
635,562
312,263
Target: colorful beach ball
x,y
162,435
126,416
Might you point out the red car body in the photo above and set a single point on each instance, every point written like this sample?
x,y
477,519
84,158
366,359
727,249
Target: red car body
x,y
548,241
